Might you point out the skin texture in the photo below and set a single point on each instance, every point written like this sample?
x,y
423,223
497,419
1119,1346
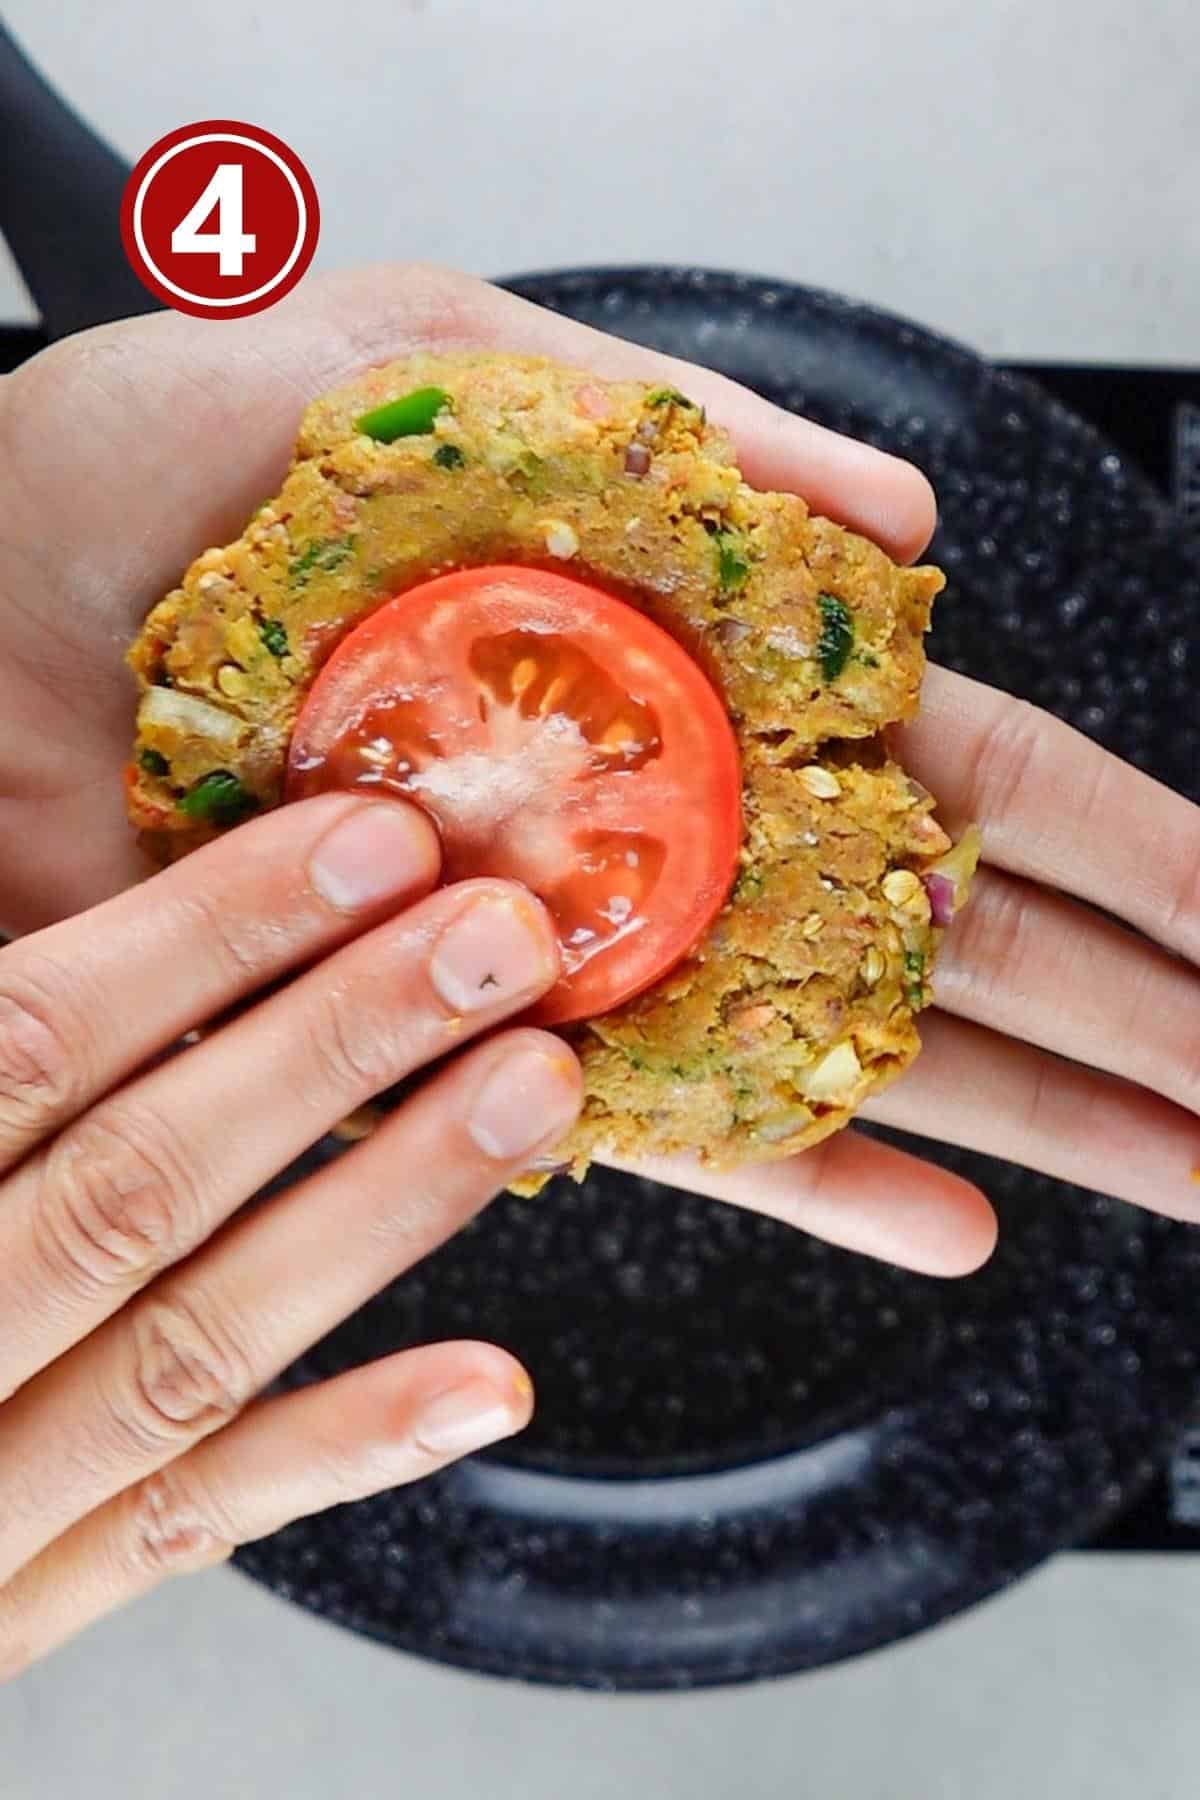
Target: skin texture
x,y
126,1464
142,1316
800,999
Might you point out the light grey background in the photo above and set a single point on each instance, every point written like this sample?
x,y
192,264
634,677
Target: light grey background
x,y
1023,176
1020,174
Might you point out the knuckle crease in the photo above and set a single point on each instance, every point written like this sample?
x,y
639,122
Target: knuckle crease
x,y
171,1530
188,1377
114,1206
40,1073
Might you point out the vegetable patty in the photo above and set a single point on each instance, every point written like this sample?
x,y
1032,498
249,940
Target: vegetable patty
x,y
800,999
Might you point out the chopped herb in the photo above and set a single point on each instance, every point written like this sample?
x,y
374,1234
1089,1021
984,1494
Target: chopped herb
x,y
732,564
669,396
274,636
837,636
154,762
322,554
412,415
868,659
218,799
914,969
449,456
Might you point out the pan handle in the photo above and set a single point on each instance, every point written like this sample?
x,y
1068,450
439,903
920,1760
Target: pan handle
x,y
60,200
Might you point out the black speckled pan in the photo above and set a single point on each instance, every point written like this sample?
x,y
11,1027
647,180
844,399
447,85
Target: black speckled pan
x,y
754,1454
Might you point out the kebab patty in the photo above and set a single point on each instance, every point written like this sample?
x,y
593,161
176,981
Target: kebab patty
x,y
800,1000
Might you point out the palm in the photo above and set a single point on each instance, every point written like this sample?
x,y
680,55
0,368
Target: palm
x,y
65,703
113,490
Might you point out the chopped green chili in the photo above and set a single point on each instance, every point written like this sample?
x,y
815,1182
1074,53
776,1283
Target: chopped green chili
x,y
914,969
732,564
323,554
412,415
837,636
669,396
218,799
449,456
154,762
273,633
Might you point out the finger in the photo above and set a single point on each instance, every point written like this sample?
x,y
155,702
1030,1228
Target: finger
x,y
145,1177
1056,807
986,1092
181,398
851,1190
184,1359
375,1428
84,1003
1037,967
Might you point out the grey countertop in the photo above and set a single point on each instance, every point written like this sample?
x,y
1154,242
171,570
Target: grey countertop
x,y
1079,1684
1022,177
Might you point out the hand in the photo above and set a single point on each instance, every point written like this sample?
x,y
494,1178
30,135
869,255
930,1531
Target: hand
x,y
119,443
140,1315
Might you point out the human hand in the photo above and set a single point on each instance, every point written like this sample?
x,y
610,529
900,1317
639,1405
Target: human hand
x,y
121,439
140,1315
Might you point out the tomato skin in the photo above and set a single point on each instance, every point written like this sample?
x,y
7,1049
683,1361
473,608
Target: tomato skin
x,y
559,738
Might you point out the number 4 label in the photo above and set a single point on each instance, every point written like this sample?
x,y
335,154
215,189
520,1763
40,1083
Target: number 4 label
x,y
196,254
224,195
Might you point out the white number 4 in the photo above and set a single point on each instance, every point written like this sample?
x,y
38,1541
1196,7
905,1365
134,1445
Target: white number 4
x,y
224,195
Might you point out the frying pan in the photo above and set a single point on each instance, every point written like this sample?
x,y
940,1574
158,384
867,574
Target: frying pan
x,y
755,1453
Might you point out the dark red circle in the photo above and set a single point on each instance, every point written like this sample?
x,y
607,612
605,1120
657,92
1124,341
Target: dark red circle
x,y
271,213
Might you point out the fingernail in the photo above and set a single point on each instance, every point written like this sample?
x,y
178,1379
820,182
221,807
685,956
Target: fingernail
x,y
378,851
496,950
533,1095
465,1418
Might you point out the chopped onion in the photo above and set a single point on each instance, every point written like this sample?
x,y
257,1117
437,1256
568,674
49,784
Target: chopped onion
x,y
167,707
731,632
834,1078
560,539
778,1126
941,893
955,868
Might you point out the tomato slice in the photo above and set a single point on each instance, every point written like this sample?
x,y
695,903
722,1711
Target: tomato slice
x,y
559,739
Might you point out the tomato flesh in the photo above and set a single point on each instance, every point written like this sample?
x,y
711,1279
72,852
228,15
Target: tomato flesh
x,y
558,738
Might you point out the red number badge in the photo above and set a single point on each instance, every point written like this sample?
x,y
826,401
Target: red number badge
x,y
220,219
